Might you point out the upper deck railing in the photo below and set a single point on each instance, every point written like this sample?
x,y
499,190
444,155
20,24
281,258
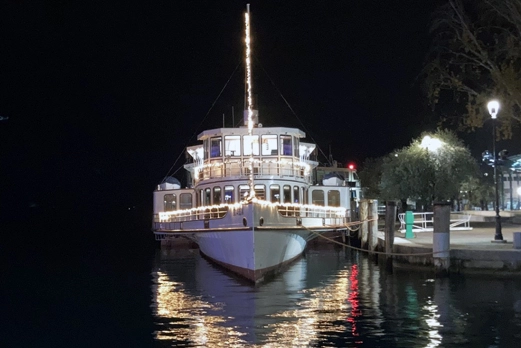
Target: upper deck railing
x,y
235,168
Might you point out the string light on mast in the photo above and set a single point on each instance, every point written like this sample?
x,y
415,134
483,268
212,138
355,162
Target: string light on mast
x,y
248,96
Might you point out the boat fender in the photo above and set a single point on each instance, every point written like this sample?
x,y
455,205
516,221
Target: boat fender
x,y
244,222
261,221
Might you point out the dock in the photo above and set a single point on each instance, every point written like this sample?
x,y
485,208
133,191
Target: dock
x,y
471,251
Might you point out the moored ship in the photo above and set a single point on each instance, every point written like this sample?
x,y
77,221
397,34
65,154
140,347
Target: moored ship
x,y
254,198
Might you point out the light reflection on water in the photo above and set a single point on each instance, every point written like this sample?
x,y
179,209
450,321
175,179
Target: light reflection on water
x,y
329,298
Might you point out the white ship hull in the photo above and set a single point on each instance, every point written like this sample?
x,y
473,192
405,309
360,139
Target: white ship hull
x,y
253,252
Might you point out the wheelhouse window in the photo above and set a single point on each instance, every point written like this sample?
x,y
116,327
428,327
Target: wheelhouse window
x,y
232,145
275,193
215,147
260,192
287,193
333,198
206,146
285,145
269,145
229,196
296,146
317,197
296,197
250,144
169,202
216,195
185,201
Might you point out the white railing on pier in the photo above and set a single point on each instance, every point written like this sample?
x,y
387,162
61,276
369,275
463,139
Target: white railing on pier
x,y
424,222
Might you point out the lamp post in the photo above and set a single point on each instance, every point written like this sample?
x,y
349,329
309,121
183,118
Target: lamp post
x,y
493,109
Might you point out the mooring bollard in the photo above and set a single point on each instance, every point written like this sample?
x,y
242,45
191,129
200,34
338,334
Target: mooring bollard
x,y
373,224
409,221
390,218
517,240
364,226
441,238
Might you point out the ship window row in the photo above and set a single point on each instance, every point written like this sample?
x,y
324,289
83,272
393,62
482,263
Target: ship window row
x,y
170,201
230,194
246,145
319,197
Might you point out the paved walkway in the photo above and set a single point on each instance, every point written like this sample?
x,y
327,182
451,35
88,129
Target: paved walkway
x,y
479,238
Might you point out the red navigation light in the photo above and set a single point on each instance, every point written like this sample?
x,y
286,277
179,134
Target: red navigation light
x,y
351,166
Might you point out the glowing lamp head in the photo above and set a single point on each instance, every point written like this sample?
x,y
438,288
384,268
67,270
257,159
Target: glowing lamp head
x,y
493,108
351,166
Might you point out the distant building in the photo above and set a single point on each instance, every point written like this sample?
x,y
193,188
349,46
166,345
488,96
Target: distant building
x,y
510,186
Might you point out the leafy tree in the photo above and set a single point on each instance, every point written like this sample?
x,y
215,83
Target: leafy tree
x,y
370,175
478,191
425,173
476,56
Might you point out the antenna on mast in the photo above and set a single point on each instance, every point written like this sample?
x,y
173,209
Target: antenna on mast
x,y
248,113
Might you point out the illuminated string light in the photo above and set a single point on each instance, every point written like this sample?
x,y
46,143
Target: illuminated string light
x,y
338,212
249,98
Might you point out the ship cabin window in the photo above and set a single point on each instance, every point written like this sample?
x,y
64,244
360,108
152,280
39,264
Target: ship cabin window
x,y
185,201
250,144
296,196
206,146
232,145
244,191
229,194
317,197
305,195
216,195
207,197
215,147
170,202
274,193
260,192
269,145
296,147
333,198
287,193
285,145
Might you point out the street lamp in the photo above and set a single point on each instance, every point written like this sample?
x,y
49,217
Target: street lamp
x,y
431,144
493,109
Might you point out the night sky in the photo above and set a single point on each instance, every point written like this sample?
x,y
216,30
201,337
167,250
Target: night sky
x,y
102,97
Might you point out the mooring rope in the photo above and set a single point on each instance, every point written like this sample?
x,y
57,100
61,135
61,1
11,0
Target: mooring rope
x,y
370,251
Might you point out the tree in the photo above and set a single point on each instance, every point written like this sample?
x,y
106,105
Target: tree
x,y
428,171
478,191
370,175
475,56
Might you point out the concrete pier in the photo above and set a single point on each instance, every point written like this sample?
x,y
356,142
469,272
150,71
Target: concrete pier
x,y
470,250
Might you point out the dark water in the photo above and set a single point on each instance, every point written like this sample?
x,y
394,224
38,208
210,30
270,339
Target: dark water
x,y
104,283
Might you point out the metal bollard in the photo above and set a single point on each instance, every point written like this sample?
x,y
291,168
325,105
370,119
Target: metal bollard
x,y
441,238
517,240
